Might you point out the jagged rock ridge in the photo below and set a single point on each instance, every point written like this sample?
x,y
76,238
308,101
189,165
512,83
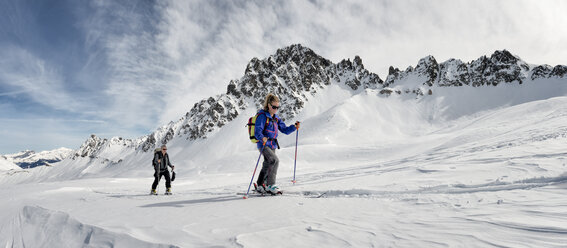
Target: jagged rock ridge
x,y
292,73
501,67
295,72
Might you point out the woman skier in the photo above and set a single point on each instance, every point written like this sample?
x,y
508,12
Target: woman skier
x,y
266,132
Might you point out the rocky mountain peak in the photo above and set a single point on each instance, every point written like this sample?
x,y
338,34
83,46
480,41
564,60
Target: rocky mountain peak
x,y
503,57
355,76
292,73
500,67
428,68
89,147
547,71
297,54
357,62
296,72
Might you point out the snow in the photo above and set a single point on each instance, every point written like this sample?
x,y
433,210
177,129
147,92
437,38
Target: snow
x,y
31,156
27,158
6,164
464,167
40,226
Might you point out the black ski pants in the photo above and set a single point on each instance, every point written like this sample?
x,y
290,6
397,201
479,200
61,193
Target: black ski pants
x,y
157,177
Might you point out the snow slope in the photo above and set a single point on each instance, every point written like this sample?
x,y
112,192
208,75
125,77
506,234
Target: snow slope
x,y
464,167
6,164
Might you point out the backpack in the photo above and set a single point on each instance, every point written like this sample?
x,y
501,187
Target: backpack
x,y
156,151
251,127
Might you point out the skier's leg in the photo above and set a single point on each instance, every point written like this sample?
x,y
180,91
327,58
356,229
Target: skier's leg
x,y
167,179
273,163
156,179
265,165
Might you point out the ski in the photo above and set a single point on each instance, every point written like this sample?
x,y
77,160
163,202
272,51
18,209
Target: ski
x,y
264,192
260,194
166,193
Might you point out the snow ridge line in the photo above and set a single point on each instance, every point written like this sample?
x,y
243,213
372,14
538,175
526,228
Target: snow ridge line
x,y
35,226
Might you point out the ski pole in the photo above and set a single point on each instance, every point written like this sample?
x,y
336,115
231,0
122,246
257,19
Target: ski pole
x,y
295,161
158,176
252,179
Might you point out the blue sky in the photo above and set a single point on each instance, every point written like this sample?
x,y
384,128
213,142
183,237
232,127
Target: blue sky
x,y
72,68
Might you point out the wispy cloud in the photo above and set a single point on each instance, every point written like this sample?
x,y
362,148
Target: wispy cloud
x,y
13,93
210,42
32,76
140,64
136,72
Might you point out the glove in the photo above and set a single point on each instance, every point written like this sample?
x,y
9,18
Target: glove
x,y
297,124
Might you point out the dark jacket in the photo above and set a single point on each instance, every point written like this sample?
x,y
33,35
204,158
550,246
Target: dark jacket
x,y
164,161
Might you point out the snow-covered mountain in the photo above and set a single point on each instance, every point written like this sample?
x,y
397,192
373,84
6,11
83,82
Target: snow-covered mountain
x,y
296,74
501,67
309,85
6,164
447,154
30,159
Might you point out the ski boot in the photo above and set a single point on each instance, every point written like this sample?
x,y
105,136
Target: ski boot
x,y
260,189
168,191
273,190
153,192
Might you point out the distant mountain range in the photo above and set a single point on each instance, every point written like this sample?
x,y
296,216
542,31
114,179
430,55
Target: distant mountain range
x,y
30,159
296,73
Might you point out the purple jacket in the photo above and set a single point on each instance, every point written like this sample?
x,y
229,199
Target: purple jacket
x,y
270,131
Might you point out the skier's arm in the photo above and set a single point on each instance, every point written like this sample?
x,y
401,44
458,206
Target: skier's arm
x,y
285,129
169,162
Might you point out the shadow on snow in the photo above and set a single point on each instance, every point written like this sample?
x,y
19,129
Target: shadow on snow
x,y
179,204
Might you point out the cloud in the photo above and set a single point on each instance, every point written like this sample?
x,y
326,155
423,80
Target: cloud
x,y
138,65
30,75
136,74
161,59
209,42
13,93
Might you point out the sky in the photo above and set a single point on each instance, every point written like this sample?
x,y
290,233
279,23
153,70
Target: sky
x,y
72,68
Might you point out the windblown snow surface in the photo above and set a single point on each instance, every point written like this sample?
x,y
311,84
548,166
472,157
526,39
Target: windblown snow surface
x,y
464,167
